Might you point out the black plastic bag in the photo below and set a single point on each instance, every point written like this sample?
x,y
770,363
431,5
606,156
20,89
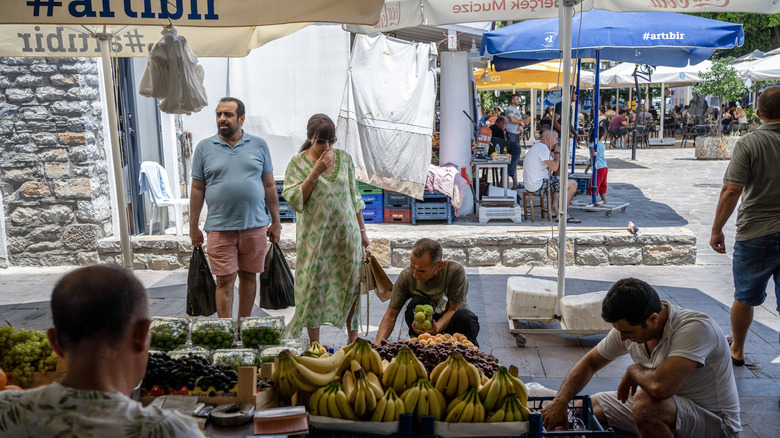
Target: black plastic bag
x,y
277,285
201,287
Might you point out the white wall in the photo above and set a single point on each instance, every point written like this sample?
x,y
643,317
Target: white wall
x,y
282,84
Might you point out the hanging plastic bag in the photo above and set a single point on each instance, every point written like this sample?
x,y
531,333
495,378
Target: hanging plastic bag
x,y
277,284
201,287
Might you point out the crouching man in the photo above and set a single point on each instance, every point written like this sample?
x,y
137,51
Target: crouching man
x,y
681,382
431,281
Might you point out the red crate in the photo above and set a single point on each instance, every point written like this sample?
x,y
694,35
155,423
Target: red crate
x,y
398,216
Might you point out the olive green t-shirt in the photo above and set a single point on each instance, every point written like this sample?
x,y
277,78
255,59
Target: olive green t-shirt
x,y
755,165
451,282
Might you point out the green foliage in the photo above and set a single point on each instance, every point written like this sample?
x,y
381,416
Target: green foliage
x,y
762,32
752,117
722,81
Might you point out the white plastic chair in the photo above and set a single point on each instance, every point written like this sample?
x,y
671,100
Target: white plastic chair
x,y
154,179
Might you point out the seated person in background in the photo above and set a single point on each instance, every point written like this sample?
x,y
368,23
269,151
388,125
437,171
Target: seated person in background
x,y
729,118
504,146
545,157
617,126
610,113
431,281
644,116
483,121
101,328
681,383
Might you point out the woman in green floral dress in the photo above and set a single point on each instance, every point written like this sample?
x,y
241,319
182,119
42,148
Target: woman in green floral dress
x,y
320,186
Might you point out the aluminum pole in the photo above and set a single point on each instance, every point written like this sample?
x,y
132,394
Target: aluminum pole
x,y
104,40
593,176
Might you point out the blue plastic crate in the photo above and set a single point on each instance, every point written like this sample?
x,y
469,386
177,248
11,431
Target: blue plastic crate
x,y
373,215
279,185
583,181
373,201
431,210
434,195
397,201
368,189
286,212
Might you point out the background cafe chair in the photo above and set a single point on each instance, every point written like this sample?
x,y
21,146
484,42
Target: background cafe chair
x,y
154,179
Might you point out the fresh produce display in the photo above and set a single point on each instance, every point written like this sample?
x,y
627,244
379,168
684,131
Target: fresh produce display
x,y
424,399
315,350
268,354
456,339
214,333
403,371
257,331
235,358
165,375
366,393
432,355
389,407
423,316
466,408
501,385
23,352
291,376
168,333
512,409
331,401
455,376
187,351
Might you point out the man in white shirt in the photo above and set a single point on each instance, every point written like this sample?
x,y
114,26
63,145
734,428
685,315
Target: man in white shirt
x,y
545,157
101,328
681,382
515,120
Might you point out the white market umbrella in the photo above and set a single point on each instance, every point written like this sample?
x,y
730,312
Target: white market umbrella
x,y
126,27
764,69
622,75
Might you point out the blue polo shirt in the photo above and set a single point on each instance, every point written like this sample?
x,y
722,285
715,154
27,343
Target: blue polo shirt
x,y
234,184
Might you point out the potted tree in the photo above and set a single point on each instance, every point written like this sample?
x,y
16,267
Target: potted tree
x,y
722,81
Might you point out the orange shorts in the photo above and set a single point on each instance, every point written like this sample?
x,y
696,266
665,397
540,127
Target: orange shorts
x,y
230,251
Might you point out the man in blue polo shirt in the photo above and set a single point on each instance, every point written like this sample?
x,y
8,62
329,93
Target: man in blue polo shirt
x,y
233,173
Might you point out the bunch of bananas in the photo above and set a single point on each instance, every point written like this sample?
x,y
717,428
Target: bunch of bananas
x,y
389,407
331,401
291,376
365,395
512,409
325,363
455,376
403,371
501,385
423,399
368,358
316,350
466,408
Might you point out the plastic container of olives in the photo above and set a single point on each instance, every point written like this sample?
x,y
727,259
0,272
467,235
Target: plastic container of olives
x,y
235,358
214,334
256,331
193,350
269,353
168,333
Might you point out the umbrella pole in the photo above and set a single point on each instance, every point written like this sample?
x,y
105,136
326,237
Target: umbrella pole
x,y
113,124
596,137
533,114
576,117
565,14
663,109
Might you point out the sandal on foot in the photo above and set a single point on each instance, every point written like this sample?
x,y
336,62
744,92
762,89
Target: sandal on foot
x,y
735,362
573,220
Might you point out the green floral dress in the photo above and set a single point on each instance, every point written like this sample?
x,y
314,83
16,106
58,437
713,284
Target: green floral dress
x,y
327,265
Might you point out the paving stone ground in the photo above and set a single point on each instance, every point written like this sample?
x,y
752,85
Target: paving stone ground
x,y
666,187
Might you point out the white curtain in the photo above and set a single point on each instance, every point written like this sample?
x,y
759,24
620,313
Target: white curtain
x,y
387,113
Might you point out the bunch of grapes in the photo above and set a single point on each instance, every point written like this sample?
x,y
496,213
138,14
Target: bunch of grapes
x,y
432,355
23,352
191,371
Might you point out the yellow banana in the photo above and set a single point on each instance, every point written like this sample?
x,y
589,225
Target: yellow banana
x,y
518,387
370,396
497,416
503,387
410,399
467,414
348,383
444,377
411,374
322,403
360,402
333,407
454,414
346,410
314,400
379,412
463,378
491,400
399,383
509,415
525,413
376,362
390,411
313,377
479,412
435,404
484,389
375,383
399,407
438,369
451,389
419,369
483,379
474,379
322,365
300,383
423,405
388,377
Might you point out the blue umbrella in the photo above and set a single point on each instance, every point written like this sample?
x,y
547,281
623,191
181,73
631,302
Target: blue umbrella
x,y
654,38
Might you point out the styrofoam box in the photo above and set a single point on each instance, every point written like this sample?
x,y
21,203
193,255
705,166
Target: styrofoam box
x,y
583,312
530,297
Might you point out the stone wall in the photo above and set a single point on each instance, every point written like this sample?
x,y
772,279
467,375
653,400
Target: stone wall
x,y
53,173
663,246
714,147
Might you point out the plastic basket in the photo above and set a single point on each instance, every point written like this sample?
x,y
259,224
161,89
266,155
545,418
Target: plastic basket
x,y
397,201
373,200
373,215
434,195
367,189
583,181
279,185
398,216
515,214
431,210
286,212
405,429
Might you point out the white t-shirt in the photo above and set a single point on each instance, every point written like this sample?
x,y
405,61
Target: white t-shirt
x,y
694,336
55,410
516,113
534,166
